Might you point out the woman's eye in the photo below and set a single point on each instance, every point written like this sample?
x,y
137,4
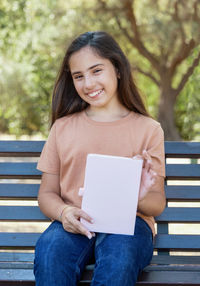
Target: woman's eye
x,y
78,76
97,70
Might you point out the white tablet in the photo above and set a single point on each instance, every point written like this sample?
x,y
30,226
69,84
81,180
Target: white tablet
x,y
111,189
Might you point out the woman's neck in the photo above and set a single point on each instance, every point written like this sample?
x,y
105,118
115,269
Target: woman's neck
x,y
104,115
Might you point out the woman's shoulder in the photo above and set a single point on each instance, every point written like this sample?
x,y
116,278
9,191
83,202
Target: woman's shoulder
x,y
66,120
146,121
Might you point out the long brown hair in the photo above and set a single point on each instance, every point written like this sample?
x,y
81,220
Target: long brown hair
x,y
65,97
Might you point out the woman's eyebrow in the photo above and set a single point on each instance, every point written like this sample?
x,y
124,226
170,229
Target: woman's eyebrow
x,y
94,66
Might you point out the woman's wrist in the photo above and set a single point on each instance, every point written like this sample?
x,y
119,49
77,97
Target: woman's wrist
x,y
61,212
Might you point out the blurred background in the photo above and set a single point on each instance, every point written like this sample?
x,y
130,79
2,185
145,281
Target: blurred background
x,y
161,38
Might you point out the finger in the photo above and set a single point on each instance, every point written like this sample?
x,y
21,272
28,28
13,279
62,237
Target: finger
x,y
81,214
81,229
147,165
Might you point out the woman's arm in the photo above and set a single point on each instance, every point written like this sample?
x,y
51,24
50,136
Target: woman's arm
x,y
153,202
49,199
52,205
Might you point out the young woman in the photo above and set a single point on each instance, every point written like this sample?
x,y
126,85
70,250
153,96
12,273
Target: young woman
x,y
96,109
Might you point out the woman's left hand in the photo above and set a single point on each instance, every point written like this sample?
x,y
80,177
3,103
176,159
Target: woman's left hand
x,y
148,176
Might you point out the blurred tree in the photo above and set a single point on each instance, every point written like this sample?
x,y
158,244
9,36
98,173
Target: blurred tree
x,y
161,39
188,106
165,33
32,43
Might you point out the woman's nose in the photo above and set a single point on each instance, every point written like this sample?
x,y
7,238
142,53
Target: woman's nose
x,y
89,82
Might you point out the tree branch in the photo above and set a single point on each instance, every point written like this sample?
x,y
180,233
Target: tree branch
x,y
123,29
178,20
187,75
136,68
183,52
136,40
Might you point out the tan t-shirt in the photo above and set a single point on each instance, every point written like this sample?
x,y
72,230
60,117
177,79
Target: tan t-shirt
x,y
74,136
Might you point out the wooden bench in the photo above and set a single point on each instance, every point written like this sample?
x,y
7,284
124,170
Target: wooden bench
x,y
20,183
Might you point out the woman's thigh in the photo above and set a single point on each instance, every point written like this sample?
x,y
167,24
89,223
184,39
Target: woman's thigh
x,y
119,258
61,256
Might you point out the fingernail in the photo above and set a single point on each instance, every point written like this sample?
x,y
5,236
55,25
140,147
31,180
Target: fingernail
x,y
92,221
89,236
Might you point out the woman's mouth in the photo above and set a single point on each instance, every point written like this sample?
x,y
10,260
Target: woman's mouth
x,y
95,93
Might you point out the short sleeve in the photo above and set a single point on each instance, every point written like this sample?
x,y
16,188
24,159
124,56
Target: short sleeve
x,y
156,150
49,161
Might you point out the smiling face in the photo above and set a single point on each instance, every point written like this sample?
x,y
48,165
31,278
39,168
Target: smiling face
x,y
95,78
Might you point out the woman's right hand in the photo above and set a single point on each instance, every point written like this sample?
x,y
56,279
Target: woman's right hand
x,y
70,219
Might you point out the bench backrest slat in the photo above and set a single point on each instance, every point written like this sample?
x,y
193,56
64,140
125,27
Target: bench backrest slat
x,y
22,213
182,149
13,191
180,214
177,242
30,191
19,170
21,148
18,239
182,193
162,241
180,171
33,148
28,170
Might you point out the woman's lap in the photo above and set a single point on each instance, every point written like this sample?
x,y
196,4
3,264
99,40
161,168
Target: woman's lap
x,y
61,253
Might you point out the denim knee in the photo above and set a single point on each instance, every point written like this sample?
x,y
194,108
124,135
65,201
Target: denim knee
x,y
119,258
60,255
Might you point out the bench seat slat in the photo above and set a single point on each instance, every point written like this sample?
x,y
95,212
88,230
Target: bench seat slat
x,y
180,214
175,259
167,277
23,275
153,277
19,191
22,213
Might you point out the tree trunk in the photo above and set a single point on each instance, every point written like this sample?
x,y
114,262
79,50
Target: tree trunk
x,y
166,114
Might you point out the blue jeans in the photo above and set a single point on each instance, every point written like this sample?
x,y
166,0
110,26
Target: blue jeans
x,y
61,256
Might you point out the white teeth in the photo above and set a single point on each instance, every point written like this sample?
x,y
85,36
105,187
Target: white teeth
x,y
93,94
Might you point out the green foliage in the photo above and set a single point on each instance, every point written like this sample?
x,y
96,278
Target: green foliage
x,y
188,107
30,57
33,38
